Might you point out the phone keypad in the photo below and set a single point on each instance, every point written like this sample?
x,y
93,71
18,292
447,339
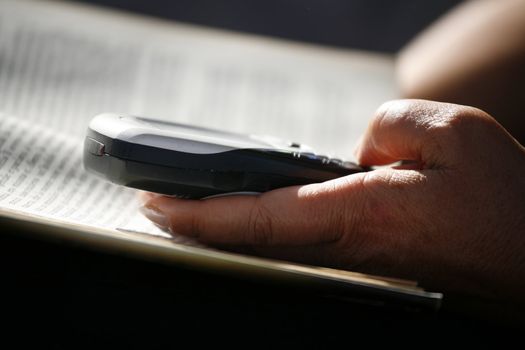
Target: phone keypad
x,y
336,161
322,159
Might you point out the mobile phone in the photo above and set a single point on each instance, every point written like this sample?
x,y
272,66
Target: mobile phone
x,y
195,162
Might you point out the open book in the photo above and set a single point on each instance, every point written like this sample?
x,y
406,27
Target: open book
x,y
61,64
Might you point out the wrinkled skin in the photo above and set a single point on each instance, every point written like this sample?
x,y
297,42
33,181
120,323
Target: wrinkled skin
x,y
453,218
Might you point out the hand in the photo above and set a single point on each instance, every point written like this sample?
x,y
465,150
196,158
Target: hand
x,y
454,219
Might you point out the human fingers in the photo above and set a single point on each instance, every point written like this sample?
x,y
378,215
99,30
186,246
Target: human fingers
x,y
468,206
424,133
298,215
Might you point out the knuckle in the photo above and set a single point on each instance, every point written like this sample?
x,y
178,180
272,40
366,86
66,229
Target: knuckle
x,y
457,124
400,114
465,117
351,219
338,211
390,112
431,116
196,227
260,229
188,224
329,205
446,128
347,210
395,108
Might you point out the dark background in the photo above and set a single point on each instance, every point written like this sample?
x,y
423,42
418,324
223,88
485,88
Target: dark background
x,y
378,25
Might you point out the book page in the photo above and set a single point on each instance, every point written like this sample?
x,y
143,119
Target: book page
x,y
61,64
41,174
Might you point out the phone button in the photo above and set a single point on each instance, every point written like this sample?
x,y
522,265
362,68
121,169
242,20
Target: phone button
x,y
94,147
352,165
311,157
336,162
323,159
308,155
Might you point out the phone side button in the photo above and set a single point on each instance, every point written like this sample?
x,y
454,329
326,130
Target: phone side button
x,y
94,147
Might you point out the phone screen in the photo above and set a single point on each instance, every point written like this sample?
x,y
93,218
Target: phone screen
x,y
196,133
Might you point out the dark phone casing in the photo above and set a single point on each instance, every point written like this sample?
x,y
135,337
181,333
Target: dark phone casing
x,y
198,175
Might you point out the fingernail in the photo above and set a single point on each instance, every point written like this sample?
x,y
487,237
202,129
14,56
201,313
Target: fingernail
x,y
145,196
155,215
